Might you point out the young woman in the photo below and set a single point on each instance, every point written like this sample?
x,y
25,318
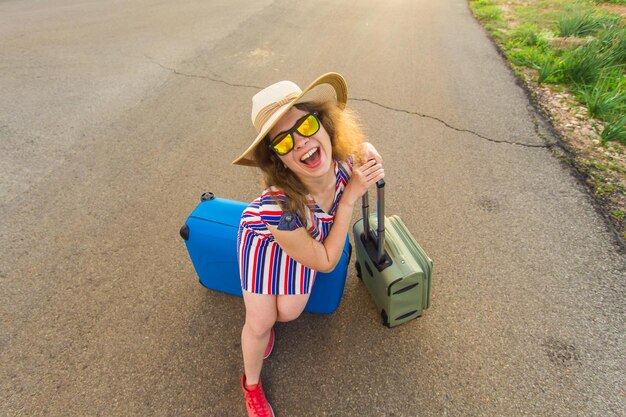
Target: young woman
x,y
316,167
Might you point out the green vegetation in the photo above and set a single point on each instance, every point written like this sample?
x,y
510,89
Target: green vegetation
x,y
604,189
488,10
576,49
583,22
550,71
572,43
613,130
618,214
490,13
604,98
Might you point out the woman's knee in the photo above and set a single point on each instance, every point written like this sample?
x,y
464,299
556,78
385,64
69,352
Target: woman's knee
x,y
290,307
261,313
259,325
289,313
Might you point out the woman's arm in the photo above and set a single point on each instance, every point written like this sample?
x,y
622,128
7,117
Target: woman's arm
x,y
323,257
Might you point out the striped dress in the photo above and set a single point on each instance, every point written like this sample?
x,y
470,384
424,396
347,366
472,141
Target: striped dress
x,y
264,268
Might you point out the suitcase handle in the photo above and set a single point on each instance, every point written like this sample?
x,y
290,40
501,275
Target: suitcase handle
x,y
380,229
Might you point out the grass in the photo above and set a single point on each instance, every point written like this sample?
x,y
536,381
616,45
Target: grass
x,y
582,22
529,34
604,99
613,131
584,65
612,42
618,214
487,10
527,57
490,13
551,71
591,60
604,190
576,50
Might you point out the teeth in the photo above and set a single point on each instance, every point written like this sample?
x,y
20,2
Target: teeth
x,y
308,154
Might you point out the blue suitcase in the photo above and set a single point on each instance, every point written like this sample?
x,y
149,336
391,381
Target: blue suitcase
x,y
210,234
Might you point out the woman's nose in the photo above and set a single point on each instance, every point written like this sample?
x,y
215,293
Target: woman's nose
x,y
299,140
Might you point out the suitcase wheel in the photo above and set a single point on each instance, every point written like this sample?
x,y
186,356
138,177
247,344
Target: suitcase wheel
x,y
383,315
184,232
357,265
207,196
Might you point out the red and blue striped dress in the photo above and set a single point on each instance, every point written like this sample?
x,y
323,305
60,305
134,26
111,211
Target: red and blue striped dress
x,y
264,268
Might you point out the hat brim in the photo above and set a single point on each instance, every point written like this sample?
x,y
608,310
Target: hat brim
x,y
330,87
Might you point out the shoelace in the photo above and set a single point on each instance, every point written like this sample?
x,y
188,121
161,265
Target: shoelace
x,y
255,401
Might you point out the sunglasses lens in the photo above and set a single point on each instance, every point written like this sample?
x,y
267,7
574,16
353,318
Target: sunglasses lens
x,y
309,126
283,144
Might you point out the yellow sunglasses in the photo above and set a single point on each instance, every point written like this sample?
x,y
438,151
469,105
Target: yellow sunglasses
x,y
306,126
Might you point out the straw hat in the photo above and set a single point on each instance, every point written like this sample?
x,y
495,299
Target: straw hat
x,y
273,102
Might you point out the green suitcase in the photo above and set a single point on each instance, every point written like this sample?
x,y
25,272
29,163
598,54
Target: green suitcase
x,y
395,269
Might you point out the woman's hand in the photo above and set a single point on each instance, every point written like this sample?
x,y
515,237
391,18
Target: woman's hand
x,y
362,178
323,257
299,244
369,152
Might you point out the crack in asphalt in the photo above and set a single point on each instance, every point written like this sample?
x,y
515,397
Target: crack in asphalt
x,y
206,77
426,116
413,113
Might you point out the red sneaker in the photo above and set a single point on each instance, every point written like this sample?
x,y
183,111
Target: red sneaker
x,y
270,345
256,403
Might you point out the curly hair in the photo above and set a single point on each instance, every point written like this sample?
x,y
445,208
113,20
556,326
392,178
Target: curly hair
x,y
346,137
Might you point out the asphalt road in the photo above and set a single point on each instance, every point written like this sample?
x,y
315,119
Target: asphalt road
x,y
116,116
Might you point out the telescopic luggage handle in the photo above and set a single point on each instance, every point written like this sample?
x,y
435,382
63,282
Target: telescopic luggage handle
x,y
382,260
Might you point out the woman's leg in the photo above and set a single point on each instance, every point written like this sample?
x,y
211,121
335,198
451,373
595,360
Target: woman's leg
x,y
261,315
290,306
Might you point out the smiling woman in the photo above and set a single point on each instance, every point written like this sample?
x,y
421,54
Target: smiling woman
x,y
341,125
311,151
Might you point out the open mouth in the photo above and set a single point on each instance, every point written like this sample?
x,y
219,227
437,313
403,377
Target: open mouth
x,y
311,158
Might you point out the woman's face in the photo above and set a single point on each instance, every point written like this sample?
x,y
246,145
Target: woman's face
x,y
310,157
